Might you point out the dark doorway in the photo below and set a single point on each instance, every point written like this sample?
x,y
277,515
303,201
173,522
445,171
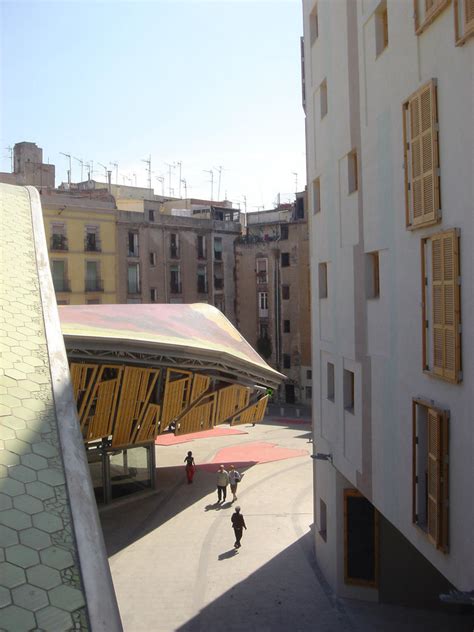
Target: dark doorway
x,y
289,393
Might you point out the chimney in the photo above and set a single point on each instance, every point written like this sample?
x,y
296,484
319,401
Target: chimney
x,y
109,180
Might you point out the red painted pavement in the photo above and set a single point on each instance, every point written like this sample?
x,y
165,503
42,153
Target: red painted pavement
x,y
171,439
250,454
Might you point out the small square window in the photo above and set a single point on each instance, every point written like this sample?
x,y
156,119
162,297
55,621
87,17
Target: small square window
x,y
286,326
283,231
323,96
309,374
330,381
285,259
313,25
151,216
285,292
349,390
286,361
153,259
352,172
373,275
316,195
153,295
381,28
323,280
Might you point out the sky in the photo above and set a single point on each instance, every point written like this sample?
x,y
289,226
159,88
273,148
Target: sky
x,y
215,86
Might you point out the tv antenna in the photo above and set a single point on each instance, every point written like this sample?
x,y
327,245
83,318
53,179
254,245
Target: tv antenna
x,y
185,185
69,176
161,179
179,164
170,167
10,150
211,181
81,162
115,164
148,162
296,181
105,169
219,169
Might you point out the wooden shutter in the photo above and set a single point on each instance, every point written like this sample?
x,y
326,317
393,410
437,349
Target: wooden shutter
x,y
468,14
445,301
434,476
423,179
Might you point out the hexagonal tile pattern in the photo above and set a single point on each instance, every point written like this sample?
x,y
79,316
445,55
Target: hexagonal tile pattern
x,y
34,510
30,597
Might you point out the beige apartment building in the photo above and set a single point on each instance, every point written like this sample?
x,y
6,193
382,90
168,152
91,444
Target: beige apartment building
x,y
273,302
390,134
185,258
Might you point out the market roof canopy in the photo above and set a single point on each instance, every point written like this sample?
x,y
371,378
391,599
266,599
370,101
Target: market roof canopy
x,y
196,336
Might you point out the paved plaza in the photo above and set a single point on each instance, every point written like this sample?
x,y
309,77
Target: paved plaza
x,y
172,557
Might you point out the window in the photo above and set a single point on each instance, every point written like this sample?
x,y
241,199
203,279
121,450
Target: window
x,y
263,304
218,248
323,98
309,374
93,281
133,244
299,207
133,277
153,295
352,174
174,246
309,392
381,28
285,292
202,279
322,519
441,299
349,391
373,275
360,540
62,302
330,382
218,277
263,330
323,280
284,231
201,246
58,237
422,182
431,472
91,239
286,361
152,259
463,20
175,280
60,281
285,259
286,326
219,303
93,301
151,215
316,195
426,11
262,270
313,25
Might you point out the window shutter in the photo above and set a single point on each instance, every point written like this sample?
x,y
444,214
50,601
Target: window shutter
x,y
468,14
444,543
437,297
434,476
423,140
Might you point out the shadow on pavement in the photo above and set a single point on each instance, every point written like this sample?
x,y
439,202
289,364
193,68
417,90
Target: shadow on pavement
x,y
227,554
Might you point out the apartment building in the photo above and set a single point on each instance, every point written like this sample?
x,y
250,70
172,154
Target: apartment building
x,y
389,120
272,285
185,258
81,235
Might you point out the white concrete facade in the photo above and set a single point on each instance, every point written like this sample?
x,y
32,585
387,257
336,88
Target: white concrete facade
x,y
363,85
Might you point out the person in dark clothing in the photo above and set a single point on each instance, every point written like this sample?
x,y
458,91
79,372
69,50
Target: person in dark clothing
x,y
238,524
190,467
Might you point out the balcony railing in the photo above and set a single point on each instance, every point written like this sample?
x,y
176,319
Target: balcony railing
x,y
175,288
133,288
133,253
174,252
59,242
218,284
94,285
217,255
202,286
62,285
92,245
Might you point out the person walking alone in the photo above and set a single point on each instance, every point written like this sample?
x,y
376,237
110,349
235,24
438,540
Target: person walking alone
x,y
222,482
238,524
190,467
234,479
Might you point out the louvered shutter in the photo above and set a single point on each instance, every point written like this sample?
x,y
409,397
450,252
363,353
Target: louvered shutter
x,y
468,15
437,298
434,476
423,142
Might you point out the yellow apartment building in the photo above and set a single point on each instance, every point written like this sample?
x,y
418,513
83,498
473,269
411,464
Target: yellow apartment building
x,y
81,235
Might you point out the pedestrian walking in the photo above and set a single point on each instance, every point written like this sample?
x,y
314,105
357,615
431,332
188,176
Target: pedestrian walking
x,y
234,479
222,480
190,467
238,524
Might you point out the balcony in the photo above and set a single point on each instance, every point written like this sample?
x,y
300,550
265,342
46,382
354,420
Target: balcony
x,y
58,242
132,252
92,244
62,285
262,277
175,288
174,252
218,284
94,285
217,255
202,286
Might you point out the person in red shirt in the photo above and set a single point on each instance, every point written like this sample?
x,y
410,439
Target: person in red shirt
x,y
190,467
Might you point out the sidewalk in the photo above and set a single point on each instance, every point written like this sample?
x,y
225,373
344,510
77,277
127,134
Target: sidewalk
x,y
175,568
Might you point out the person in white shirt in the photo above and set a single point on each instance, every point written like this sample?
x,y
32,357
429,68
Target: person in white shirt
x,y
222,482
234,479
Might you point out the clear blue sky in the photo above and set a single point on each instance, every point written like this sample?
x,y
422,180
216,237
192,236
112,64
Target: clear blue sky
x,y
204,83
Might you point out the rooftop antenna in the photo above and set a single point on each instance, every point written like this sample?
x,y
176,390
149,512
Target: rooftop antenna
x,y
170,166
81,162
115,164
70,167
10,149
148,162
219,169
135,178
90,169
162,180
296,181
211,181
179,164
185,188
105,169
